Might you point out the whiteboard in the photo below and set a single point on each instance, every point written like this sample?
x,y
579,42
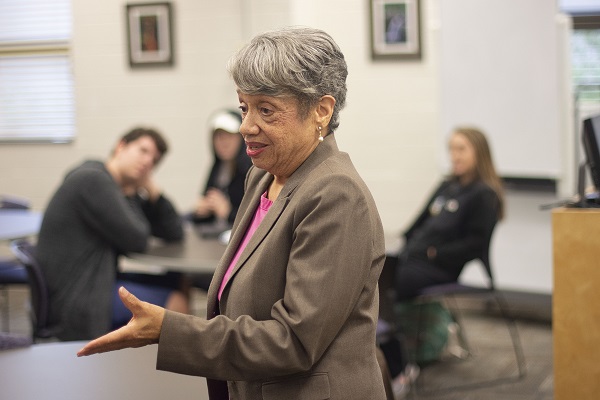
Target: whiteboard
x,y
501,71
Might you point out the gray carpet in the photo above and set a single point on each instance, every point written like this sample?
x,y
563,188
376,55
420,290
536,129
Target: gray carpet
x,y
493,356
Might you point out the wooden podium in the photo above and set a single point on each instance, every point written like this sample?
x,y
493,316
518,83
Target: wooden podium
x,y
576,303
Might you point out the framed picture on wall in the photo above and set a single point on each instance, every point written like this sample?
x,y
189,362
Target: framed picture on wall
x,y
149,34
395,29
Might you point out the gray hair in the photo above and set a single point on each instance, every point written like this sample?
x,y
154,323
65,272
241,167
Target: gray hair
x,y
304,63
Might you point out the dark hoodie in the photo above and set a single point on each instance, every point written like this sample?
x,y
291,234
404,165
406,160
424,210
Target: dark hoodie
x,y
235,188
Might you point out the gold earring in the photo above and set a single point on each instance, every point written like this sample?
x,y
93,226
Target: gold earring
x,y
320,136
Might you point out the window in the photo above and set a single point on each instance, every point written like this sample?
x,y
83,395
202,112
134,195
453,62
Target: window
x,y
36,79
585,54
585,60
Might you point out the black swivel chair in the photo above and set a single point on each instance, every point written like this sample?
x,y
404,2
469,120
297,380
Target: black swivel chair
x,y
449,293
494,300
25,253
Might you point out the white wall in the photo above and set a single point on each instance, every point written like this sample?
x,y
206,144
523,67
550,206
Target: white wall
x,y
390,126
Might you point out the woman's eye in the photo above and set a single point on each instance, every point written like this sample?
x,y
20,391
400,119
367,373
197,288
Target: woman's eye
x,y
243,109
265,111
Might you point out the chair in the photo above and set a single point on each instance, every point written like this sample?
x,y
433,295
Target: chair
x,y
11,272
448,293
25,253
14,203
489,293
9,341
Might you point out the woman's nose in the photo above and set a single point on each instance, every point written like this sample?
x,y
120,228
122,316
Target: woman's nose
x,y
248,126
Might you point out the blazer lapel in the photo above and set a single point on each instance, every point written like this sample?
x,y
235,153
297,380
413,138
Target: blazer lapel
x,y
323,151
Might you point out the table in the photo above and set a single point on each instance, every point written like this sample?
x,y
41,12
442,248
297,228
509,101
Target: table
x,y
575,299
53,371
16,224
196,254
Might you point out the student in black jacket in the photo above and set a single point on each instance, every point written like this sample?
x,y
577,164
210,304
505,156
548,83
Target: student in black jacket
x,y
455,225
222,195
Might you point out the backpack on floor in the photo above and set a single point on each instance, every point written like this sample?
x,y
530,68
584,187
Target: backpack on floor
x,y
433,319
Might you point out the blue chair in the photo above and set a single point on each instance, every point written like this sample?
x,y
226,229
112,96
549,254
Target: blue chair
x,y
9,341
40,303
14,203
11,271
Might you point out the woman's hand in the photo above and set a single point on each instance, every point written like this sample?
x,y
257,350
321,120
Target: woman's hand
x,y
143,328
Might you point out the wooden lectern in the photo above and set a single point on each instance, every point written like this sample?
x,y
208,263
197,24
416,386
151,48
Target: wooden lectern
x,y
576,303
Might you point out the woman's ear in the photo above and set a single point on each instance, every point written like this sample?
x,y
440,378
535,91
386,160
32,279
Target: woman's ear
x,y
325,110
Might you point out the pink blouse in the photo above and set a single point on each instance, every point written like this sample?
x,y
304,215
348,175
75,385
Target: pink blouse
x,y
259,215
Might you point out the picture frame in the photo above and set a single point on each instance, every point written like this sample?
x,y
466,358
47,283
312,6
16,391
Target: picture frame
x,y
395,29
149,34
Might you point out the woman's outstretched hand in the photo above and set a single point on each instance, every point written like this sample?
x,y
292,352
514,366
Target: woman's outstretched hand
x,y
143,328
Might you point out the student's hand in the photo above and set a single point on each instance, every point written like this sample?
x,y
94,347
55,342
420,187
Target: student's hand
x,y
219,203
202,207
143,328
150,188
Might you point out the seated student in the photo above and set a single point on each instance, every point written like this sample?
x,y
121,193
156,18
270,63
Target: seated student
x,y
101,210
221,198
451,230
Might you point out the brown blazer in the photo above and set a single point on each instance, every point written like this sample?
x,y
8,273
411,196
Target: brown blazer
x,y
297,318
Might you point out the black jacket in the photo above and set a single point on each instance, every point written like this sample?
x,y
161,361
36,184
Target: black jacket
x,y
235,188
458,221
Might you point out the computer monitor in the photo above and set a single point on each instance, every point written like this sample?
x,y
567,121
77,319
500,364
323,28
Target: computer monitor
x,y
591,140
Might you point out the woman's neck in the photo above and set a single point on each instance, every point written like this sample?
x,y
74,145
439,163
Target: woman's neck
x,y
465,179
275,189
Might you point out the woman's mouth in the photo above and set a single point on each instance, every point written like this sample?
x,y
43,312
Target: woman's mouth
x,y
253,149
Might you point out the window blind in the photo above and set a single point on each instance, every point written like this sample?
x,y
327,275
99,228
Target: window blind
x,y
36,79
585,45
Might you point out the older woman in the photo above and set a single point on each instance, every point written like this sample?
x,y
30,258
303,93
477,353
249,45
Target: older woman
x,y
293,304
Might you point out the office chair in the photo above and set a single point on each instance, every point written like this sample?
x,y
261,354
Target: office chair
x,y
25,253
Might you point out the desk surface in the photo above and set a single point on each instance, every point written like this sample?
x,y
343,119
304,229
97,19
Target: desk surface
x,y
53,371
195,254
15,224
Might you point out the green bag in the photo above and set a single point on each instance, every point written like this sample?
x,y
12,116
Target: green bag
x,y
433,319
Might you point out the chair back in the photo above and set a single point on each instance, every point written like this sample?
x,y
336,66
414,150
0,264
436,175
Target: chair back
x,y
25,253
14,203
485,257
